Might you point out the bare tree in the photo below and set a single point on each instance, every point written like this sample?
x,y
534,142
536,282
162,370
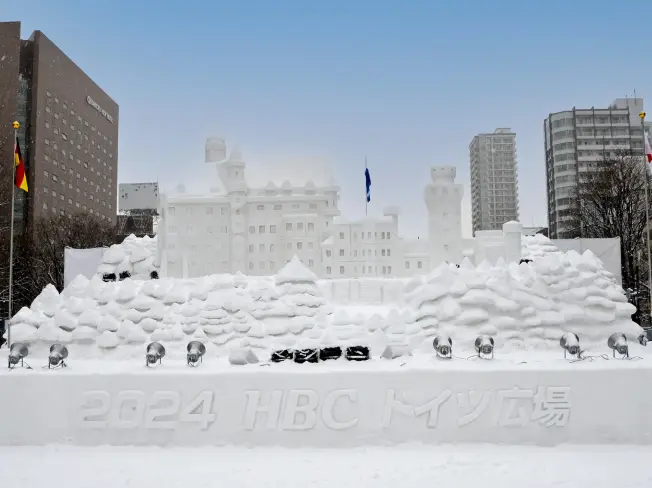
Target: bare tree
x,y
609,201
46,242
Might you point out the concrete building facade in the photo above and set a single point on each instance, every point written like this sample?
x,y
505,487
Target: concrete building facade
x,y
68,134
494,179
577,140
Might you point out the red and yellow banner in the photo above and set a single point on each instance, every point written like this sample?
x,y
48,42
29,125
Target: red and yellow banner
x,y
21,178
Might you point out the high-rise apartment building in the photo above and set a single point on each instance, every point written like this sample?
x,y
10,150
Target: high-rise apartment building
x,y
575,141
68,133
494,179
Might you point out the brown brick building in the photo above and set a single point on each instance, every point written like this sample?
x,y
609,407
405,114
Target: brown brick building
x,y
69,130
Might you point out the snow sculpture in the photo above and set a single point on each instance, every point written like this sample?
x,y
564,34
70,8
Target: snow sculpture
x,y
443,198
522,306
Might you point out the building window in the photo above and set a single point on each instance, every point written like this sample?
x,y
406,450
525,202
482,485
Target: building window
x,y
272,229
289,245
311,227
389,252
341,235
299,245
261,229
341,253
311,263
389,270
278,206
419,264
251,266
328,270
382,235
261,248
251,248
288,227
310,245
388,235
252,229
300,226
382,252
260,207
45,206
328,253
341,270
272,265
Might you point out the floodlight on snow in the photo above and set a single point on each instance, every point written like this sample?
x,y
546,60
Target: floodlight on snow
x,y
196,351
617,342
58,354
443,346
570,343
484,346
155,352
17,353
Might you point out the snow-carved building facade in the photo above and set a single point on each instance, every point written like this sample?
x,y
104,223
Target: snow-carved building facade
x,y
257,231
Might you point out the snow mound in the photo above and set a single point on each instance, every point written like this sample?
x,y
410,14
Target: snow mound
x,y
523,306
136,256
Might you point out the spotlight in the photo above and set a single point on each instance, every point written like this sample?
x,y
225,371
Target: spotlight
x,y
484,346
17,353
618,342
58,354
443,346
196,351
570,343
155,352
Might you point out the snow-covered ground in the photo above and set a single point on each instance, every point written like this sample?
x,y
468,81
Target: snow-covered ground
x,y
452,466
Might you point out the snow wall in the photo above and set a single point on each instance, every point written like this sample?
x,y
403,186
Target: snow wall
x,y
108,396
295,405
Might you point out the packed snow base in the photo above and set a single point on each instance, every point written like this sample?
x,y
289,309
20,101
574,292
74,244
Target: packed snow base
x,y
523,306
378,467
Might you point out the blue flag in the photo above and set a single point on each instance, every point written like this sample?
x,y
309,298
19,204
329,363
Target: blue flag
x,y
367,178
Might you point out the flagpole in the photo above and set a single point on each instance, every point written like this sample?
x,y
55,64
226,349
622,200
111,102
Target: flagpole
x,y
647,216
11,233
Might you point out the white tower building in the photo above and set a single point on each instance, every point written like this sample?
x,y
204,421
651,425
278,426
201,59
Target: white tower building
x,y
444,201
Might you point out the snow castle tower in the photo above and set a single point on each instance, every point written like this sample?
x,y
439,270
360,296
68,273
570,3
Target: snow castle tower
x,y
443,198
